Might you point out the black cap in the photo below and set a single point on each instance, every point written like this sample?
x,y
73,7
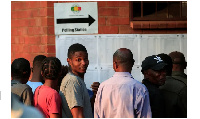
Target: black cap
x,y
153,62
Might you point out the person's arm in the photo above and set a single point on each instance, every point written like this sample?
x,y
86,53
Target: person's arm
x,y
94,87
27,96
77,112
55,115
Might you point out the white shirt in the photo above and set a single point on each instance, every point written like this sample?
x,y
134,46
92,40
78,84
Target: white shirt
x,y
122,96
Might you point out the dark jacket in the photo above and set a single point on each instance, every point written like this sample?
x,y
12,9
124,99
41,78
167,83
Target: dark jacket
x,y
175,94
156,99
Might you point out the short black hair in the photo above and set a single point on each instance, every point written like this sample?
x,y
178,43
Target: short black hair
x,y
75,48
37,61
168,60
20,68
51,68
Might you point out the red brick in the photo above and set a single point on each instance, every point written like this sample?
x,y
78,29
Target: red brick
x,y
35,12
32,22
50,12
14,32
23,22
124,11
42,48
51,3
16,48
51,39
50,21
51,49
21,14
35,40
17,5
117,21
108,11
108,30
14,14
26,48
43,12
35,49
32,4
117,3
43,4
36,30
51,55
26,56
13,39
102,3
101,20
50,30
16,40
22,31
44,39
21,39
14,23
43,21
39,22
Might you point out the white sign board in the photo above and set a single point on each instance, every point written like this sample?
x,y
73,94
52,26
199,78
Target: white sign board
x,y
75,18
101,48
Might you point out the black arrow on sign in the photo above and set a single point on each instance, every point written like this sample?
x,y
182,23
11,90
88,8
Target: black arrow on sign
x,y
89,20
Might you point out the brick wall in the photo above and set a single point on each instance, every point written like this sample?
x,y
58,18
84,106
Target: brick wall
x,y
32,26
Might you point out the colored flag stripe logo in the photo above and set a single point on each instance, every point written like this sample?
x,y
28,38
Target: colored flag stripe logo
x,y
75,8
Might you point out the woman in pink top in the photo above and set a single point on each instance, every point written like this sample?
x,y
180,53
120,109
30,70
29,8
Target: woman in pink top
x,y
46,97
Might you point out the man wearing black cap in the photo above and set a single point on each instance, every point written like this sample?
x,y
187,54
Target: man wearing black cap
x,y
154,71
175,88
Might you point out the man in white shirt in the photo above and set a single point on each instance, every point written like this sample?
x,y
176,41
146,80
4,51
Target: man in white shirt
x,y
122,96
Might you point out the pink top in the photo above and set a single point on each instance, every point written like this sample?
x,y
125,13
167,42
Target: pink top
x,y
47,100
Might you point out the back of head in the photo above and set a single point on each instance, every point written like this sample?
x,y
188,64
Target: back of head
x,y
20,68
37,61
167,59
75,48
124,57
177,57
51,68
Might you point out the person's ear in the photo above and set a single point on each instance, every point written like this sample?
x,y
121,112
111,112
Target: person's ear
x,y
69,61
115,66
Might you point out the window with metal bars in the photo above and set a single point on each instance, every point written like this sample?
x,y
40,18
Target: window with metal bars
x,y
158,11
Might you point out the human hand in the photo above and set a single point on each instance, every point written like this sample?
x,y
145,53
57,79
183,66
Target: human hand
x,y
95,87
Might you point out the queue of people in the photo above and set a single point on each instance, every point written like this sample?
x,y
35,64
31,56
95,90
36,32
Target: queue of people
x,y
57,91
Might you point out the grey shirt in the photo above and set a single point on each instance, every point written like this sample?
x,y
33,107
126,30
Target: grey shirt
x,y
23,91
74,90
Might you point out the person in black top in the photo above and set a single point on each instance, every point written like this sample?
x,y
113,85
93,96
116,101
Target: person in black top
x,y
154,71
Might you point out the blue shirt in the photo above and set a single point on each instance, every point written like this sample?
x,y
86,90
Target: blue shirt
x,y
122,96
34,85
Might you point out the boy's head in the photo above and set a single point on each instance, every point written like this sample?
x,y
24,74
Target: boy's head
x,y
20,70
37,61
78,59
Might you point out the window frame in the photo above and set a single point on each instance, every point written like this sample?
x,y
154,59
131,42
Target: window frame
x,y
181,18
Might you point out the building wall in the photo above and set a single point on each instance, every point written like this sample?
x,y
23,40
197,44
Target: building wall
x,y
32,26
